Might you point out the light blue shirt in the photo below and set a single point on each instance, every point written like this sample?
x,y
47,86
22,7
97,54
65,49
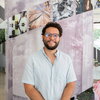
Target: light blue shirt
x,y
49,79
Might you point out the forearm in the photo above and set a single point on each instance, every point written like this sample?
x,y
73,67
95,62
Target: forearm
x,y
68,91
33,93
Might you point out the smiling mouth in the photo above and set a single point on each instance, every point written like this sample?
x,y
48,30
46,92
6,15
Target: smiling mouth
x,y
51,42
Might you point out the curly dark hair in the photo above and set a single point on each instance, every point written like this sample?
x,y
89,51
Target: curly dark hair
x,y
52,24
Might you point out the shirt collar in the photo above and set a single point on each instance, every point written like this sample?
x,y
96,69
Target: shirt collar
x,y
56,54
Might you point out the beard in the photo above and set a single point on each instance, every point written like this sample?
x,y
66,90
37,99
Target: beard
x,y
50,47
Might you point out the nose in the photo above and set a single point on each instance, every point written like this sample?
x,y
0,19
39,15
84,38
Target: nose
x,y
52,37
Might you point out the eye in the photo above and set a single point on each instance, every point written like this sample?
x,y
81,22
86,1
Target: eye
x,y
55,35
47,34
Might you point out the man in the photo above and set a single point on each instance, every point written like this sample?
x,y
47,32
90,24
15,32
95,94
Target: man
x,y
49,73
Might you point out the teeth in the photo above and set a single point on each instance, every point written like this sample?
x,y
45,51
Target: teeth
x,y
51,42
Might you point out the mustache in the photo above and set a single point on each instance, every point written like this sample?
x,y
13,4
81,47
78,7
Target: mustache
x,y
51,40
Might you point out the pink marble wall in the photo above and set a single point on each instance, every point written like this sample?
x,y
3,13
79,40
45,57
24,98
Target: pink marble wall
x,y
87,69
23,47
72,43
17,51
76,41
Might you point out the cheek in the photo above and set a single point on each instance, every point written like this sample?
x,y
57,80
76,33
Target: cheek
x,y
57,40
45,40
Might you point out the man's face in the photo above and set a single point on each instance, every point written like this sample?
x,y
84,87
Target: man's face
x,y
51,38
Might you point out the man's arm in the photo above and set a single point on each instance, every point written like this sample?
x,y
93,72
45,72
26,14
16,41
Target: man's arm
x,y
32,92
68,91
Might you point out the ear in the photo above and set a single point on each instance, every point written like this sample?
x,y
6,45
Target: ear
x,y
42,37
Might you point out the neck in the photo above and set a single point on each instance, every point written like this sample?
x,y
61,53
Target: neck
x,y
50,52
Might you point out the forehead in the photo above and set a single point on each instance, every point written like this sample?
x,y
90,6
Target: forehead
x,y
52,30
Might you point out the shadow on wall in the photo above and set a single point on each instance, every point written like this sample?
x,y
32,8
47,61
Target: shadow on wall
x,y
2,62
86,95
2,12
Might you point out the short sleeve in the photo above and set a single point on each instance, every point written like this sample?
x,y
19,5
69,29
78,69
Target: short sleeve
x,y
28,75
71,76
